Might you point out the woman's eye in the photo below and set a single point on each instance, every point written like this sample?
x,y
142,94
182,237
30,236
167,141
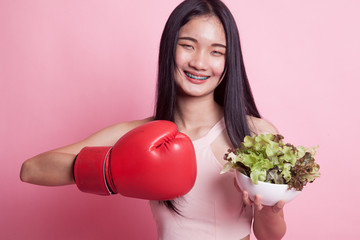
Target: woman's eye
x,y
217,53
186,46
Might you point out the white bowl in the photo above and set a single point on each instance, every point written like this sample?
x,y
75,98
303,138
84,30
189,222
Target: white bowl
x,y
270,193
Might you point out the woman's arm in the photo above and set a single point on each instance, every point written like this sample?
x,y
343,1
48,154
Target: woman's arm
x,y
55,167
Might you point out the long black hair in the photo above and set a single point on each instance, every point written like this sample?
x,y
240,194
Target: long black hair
x,y
233,93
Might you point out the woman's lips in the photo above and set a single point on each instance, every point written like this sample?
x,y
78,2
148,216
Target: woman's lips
x,y
195,77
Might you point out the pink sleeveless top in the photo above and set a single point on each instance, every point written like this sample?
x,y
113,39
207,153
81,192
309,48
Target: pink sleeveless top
x,y
212,209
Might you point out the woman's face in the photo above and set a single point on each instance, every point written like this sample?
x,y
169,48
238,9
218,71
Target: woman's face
x,y
200,56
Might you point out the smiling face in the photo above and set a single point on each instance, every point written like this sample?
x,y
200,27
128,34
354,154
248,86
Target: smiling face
x,y
200,56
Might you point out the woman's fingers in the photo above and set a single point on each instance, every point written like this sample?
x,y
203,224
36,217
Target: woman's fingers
x,y
258,206
246,198
257,202
247,201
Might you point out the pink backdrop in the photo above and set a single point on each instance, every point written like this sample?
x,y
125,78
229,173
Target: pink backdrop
x,y
69,68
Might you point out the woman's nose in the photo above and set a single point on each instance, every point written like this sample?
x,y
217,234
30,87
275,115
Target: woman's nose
x,y
199,60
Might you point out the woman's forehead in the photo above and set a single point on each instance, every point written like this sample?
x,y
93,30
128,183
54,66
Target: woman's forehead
x,y
205,28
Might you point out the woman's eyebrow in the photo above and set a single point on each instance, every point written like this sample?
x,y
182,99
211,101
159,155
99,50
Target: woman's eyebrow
x,y
188,38
195,41
218,45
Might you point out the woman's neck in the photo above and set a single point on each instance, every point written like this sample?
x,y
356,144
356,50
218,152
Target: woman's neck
x,y
196,112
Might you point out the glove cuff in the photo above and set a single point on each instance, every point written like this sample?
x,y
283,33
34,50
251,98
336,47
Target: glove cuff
x,y
89,170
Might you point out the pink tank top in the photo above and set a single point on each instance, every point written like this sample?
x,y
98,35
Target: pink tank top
x,y
213,207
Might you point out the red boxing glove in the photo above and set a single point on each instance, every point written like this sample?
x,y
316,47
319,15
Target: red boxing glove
x,y
153,161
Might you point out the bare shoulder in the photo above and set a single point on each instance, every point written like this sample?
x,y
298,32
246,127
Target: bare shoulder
x,y
260,126
107,136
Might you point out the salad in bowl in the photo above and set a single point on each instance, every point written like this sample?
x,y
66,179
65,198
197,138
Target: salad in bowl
x,y
275,170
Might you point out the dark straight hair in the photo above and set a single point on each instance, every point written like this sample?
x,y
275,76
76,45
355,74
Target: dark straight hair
x,y
233,93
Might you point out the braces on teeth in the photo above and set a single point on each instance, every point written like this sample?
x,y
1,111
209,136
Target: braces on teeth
x,y
196,77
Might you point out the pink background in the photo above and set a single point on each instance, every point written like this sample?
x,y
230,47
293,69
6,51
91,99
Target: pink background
x,y
70,68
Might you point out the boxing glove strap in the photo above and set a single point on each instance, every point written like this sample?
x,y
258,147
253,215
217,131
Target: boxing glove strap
x,y
89,170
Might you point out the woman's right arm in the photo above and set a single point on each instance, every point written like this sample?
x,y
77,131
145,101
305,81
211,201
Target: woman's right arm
x,y
55,167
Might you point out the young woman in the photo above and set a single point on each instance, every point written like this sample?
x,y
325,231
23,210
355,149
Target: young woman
x,y
203,88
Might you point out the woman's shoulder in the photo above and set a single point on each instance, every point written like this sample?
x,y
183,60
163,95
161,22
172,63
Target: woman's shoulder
x,y
260,126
